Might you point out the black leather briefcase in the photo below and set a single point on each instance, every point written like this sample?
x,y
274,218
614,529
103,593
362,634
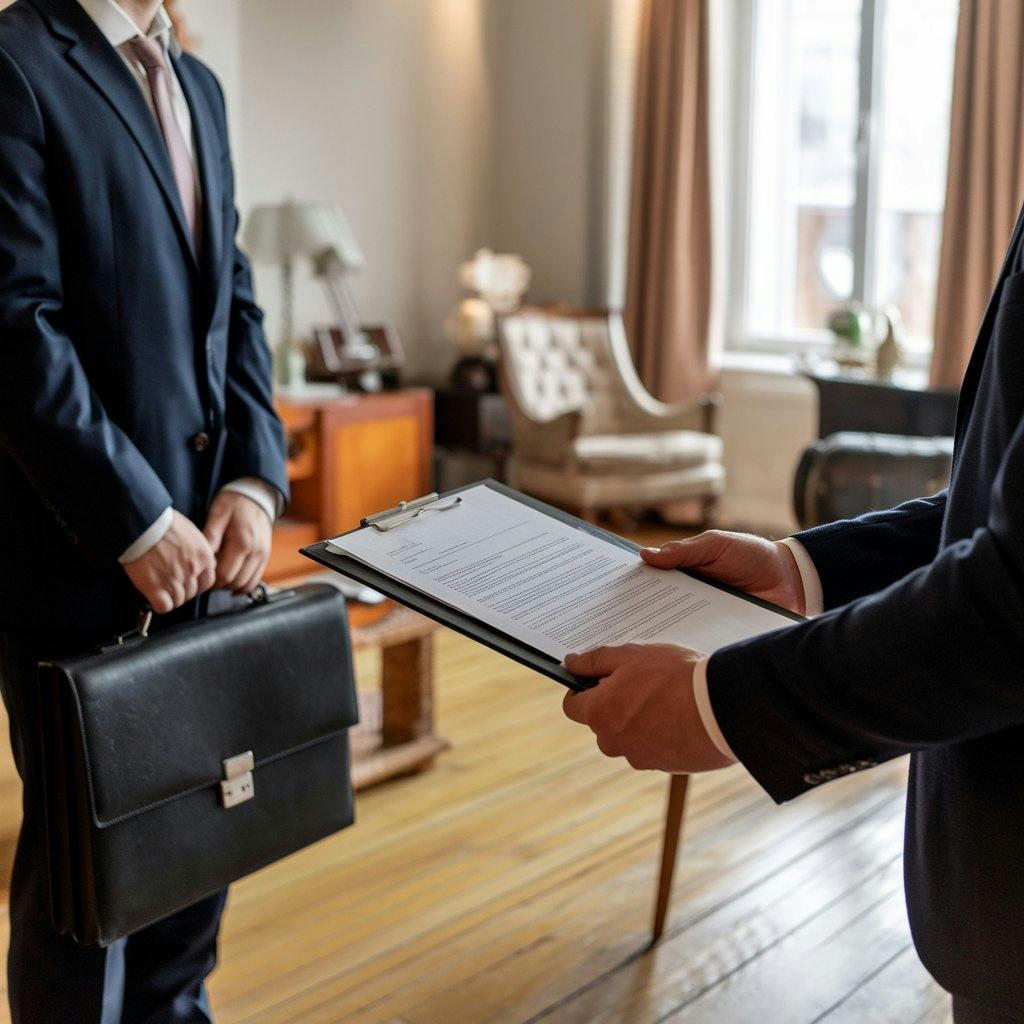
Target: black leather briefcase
x,y
179,762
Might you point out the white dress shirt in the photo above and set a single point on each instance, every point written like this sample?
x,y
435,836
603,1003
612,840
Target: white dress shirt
x,y
119,29
814,605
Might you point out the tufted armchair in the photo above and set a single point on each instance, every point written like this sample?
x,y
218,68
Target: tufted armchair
x,y
587,435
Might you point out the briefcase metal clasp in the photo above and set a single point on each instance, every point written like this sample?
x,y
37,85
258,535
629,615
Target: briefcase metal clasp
x,y
237,785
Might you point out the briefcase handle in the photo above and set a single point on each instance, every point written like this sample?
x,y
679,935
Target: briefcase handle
x,y
141,630
260,594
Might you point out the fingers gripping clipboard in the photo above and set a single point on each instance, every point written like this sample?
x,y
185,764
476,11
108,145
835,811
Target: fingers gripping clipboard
x,y
533,582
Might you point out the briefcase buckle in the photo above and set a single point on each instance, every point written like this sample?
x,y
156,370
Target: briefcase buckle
x,y
237,785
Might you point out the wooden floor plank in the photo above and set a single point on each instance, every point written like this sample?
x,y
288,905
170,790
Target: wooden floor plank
x,y
445,904
738,916
894,994
940,1012
799,972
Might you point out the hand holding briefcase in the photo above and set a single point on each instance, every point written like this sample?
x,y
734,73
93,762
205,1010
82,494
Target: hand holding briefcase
x,y
179,762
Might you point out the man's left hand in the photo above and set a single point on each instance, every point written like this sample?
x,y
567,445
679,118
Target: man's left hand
x,y
239,531
644,709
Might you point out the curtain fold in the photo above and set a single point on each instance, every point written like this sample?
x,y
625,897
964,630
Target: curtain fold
x,y
986,175
668,288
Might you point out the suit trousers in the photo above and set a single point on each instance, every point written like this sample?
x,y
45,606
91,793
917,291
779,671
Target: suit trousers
x,y
155,976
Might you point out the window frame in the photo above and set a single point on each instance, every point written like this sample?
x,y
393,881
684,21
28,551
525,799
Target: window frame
x,y
809,342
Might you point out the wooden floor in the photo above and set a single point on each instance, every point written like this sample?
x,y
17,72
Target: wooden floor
x,y
514,883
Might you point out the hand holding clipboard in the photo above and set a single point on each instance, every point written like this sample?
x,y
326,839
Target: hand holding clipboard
x,y
536,583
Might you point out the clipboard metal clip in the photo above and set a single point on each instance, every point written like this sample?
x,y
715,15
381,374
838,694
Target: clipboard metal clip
x,y
405,511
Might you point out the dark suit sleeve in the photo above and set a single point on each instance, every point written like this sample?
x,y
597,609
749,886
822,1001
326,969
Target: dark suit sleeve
x,y
934,659
95,482
255,438
856,557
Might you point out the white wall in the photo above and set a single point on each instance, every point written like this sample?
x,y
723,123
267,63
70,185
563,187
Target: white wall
x,y
215,28
381,106
438,126
548,61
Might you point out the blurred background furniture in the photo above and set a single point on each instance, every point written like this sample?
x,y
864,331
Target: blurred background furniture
x,y
587,435
473,434
903,404
883,442
349,456
849,473
395,734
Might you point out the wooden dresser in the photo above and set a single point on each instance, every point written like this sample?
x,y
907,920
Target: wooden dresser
x,y
348,457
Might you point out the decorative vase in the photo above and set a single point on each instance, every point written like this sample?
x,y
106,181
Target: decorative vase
x,y
889,353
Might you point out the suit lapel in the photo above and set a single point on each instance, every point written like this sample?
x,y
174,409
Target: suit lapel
x,y
208,151
969,387
98,62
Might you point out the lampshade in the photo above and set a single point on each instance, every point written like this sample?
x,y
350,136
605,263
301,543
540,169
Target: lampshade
x,y
287,230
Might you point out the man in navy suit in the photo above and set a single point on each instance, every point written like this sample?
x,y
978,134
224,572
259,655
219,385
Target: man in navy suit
x,y
141,460
916,644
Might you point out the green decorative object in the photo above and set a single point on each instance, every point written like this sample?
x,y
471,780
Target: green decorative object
x,y
852,326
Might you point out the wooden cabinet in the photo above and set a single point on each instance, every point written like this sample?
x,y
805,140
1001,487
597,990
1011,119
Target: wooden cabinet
x,y
348,457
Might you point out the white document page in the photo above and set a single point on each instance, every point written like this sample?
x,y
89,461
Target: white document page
x,y
551,585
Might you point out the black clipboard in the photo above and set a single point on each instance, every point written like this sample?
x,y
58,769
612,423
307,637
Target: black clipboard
x,y
472,627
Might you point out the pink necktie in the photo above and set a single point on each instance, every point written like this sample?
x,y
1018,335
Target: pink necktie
x,y
150,55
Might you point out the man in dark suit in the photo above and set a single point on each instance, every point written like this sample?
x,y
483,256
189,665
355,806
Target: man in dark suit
x,y
918,647
140,457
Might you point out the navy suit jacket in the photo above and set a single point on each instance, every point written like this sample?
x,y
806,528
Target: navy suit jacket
x,y
921,649
118,346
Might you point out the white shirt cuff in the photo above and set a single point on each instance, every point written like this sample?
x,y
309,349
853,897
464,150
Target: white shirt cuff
x,y
707,715
814,603
149,538
268,498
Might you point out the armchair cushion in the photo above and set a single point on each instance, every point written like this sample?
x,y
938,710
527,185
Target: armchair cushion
x,y
641,453
587,434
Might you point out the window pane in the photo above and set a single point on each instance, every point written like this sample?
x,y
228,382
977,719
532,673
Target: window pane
x,y
917,81
803,168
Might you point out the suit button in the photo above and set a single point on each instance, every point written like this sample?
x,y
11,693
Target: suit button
x,y
201,441
812,778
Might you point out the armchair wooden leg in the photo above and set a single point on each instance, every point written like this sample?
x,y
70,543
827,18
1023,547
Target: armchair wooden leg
x,y
623,519
669,845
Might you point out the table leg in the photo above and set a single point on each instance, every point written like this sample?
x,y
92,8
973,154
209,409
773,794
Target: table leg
x,y
407,687
669,845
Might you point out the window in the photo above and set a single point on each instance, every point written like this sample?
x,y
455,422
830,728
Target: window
x,y
849,104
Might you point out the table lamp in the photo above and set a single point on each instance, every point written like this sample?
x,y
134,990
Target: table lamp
x,y
283,232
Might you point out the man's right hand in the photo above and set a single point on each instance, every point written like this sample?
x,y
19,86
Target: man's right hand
x,y
173,571
764,568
